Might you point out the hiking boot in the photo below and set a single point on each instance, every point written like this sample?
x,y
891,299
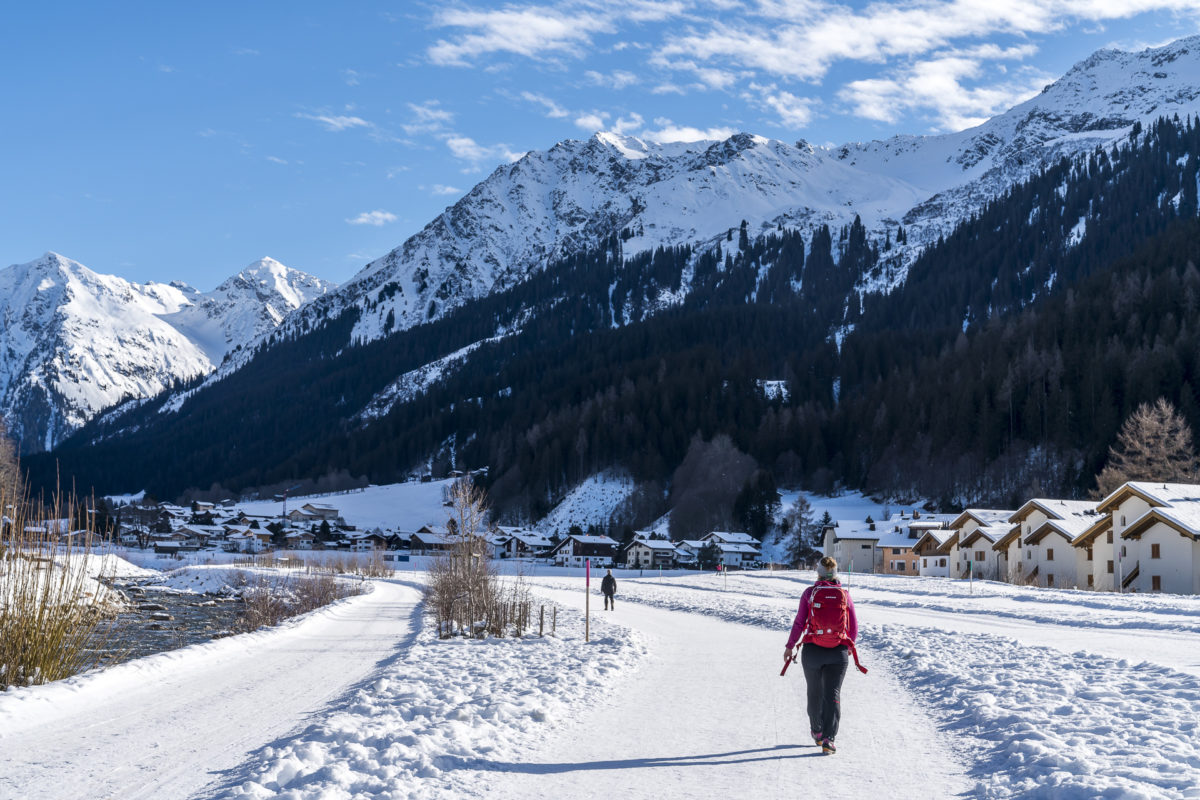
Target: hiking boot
x,y
817,738
827,747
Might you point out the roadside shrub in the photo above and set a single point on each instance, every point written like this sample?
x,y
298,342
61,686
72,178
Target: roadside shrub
x,y
269,600
464,593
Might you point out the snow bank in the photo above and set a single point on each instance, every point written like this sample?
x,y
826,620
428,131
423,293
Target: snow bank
x,y
1052,725
446,704
1039,723
591,502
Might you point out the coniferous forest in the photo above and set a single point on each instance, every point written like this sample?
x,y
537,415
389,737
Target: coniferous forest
x,y
1004,363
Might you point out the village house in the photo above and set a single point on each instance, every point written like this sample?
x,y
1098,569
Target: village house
x,y
1093,548
298,539
1051,560
687,552
978,529
368,541
1024,560
852,544
738,550
1157,527
650,553
322,511
429,539
575,551
525,544
933,552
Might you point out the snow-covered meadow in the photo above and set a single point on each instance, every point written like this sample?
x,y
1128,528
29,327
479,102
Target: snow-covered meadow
x,y
976,690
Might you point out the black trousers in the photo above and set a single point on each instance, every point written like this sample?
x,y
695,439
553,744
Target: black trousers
x,y
608,598
824,670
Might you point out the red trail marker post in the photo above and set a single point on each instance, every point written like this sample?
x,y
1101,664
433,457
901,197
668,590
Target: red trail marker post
x,y
587,603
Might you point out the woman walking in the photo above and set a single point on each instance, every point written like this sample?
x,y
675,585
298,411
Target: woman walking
x,y
826,627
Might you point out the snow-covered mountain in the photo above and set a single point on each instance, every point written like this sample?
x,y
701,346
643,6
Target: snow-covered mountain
x,y
555,202
74,342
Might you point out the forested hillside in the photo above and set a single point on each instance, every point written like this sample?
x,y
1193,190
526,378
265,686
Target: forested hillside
x,y
1011,354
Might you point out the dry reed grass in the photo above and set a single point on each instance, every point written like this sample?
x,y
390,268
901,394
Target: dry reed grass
x,y
49,606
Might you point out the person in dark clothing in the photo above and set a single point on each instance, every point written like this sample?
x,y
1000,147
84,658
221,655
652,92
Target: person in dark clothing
x,y
608,587
827,627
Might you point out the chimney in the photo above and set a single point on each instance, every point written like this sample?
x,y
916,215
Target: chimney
x,y
916,514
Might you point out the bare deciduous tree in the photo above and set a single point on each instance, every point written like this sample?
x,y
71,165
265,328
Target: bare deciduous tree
x,y
1154,444
10,473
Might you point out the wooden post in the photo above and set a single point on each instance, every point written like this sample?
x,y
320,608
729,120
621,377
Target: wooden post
x,y
554,623
542,622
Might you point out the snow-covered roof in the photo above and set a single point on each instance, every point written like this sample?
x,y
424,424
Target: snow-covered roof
x,y
1052,508
585,539
732,537
654,544
985,517
894,538
532,539
858,529
737,547
1163,494
1183,516
993,533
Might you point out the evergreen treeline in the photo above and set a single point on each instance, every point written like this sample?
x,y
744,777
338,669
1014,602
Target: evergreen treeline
x,y
1010,355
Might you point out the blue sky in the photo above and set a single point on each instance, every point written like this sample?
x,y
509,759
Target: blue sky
x,y
168,141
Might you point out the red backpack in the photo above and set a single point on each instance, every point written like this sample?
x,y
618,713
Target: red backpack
x,y
828,617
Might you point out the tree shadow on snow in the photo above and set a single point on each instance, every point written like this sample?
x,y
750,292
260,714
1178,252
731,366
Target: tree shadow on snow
x,y
776,753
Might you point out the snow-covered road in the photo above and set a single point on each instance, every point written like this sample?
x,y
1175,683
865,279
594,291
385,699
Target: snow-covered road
x,y
709,716
165,726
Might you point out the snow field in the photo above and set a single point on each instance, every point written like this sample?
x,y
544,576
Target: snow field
x,y
1053,725
1033,720
439,705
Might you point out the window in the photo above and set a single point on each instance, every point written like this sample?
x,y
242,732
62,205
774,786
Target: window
x,y
1110,571
979,555
1049,578
899,566
1156,583
1089,554
895,551
1049,553
941,562
866,547
1091,581
1109,539
1154,551
1122,520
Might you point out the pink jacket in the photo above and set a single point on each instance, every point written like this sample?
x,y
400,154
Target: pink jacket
x,y
801,621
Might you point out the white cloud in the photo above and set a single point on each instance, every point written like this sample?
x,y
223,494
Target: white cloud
x,y
428,117
467,149
337,122
937,87
670,132
553,109
442,189
616,80
350,77
245,51
530,31
378,218
276,160
802,40
592,121
794,112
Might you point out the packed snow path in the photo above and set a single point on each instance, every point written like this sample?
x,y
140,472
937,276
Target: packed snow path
x,y
709,716
168,725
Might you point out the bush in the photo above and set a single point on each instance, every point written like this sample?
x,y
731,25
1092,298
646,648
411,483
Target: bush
x,y
464,593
